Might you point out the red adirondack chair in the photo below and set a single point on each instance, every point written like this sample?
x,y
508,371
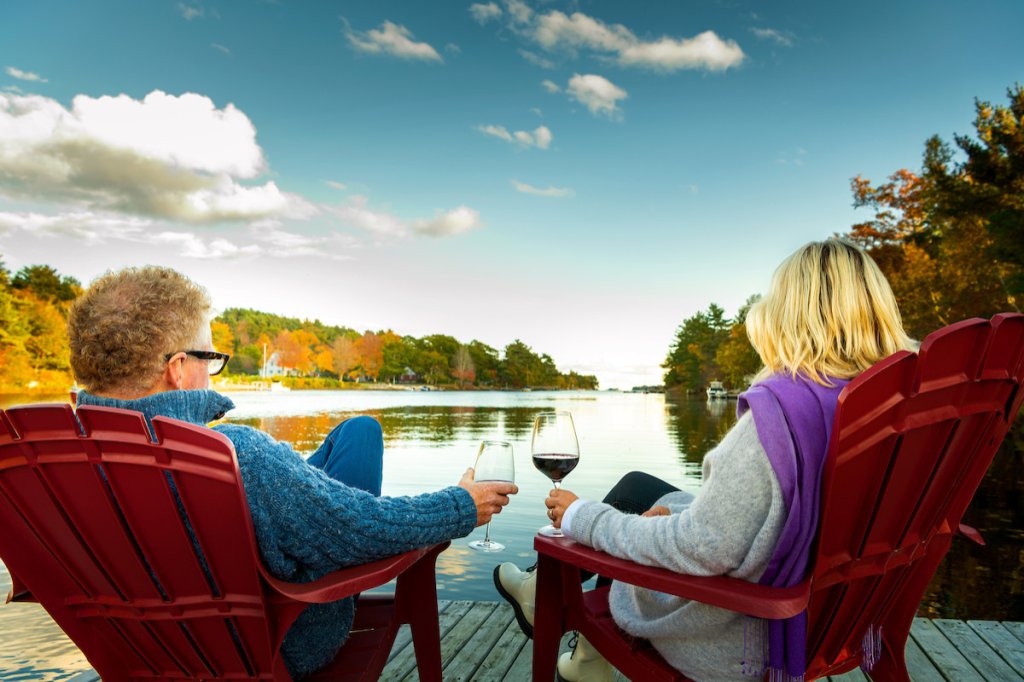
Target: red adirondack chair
x,y
912,439
92,530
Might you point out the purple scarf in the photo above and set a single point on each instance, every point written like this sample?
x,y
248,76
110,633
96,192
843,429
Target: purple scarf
x,y
794,423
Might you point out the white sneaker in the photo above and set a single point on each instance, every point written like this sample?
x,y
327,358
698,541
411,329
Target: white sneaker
x,y
584,664
519,588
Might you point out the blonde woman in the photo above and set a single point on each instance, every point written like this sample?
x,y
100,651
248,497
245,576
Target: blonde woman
x,y
828,316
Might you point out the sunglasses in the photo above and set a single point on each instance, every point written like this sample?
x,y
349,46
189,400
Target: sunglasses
x,y
217,361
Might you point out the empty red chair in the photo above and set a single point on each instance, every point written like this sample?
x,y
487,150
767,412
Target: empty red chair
x,y
94,531
912,439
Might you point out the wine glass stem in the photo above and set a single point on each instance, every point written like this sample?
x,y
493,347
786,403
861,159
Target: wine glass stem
x,y
487,533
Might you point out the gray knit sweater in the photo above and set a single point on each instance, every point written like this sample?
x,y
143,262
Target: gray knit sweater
x,y
729,528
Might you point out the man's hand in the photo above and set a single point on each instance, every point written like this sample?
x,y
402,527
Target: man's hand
x,y
488,496
657,510
557,502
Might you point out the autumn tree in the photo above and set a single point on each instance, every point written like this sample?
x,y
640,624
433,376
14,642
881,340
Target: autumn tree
x,y
950,239
223,339
463,368
344,356
292,353
370,348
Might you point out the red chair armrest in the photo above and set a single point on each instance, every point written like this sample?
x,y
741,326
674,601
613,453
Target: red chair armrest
x,y
728,593
353,580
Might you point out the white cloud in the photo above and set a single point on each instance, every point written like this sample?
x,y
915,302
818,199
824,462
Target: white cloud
x,y
452,48
545,192
190,12
550,86
336,185
391,39
557,30
536,59
193,246
165,156
519,11
704,51
597,93
280,243
453,222
84,225
15,72
221,48
784,38
357,213
540,137
484,12
536,110
265,238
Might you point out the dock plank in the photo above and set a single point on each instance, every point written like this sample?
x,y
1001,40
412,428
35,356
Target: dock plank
x,y
455,640
984,659
498,661
950,662
472,655
1009,648
1016,628
919,666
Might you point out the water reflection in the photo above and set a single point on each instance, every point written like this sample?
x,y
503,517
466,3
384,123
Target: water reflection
x,y
696,426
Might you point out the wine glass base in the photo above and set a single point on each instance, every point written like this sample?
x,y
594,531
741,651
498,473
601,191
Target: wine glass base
x,y
551,532
486,546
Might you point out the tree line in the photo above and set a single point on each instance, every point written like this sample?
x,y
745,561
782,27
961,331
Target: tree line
x,y
34,351
948,236
311,348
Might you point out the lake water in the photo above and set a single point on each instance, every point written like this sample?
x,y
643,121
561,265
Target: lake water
x,y
431,437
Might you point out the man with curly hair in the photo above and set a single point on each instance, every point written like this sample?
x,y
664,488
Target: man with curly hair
x,y
140,340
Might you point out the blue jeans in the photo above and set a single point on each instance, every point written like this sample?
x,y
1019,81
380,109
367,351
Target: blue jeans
x,y
353,453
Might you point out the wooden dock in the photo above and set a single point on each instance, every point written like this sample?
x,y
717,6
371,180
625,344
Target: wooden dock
x,y
480,641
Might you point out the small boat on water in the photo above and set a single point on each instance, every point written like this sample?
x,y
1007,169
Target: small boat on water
x,y
716,391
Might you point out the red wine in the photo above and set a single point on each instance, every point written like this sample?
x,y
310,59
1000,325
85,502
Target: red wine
x,y
555,467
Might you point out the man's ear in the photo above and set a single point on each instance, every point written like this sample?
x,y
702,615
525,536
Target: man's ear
x,y
174,372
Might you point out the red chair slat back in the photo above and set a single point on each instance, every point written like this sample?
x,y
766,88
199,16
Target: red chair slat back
x,y
912,439
142,550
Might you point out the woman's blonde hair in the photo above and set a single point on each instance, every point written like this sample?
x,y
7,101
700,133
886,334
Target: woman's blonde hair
x,y
121,328
829,313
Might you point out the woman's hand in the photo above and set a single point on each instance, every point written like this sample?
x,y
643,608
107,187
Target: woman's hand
x,y
657,510
488,496
557,502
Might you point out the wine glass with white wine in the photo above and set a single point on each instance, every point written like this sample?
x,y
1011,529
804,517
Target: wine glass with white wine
x,y
494,462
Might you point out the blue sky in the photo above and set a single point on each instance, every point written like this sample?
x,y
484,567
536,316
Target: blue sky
x,y
581,176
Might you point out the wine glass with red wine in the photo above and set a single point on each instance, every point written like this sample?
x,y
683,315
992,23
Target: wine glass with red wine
x,y
494,462
556,452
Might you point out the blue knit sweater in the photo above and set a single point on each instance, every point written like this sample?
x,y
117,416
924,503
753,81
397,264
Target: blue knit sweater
x,y
307,524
